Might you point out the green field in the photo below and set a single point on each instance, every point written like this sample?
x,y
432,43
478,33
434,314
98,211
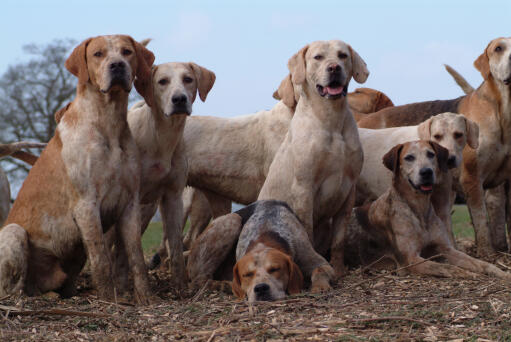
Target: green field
x,y
460,220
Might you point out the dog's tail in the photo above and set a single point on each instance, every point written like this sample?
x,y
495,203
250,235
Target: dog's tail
x,y
460,80
13,259
14,150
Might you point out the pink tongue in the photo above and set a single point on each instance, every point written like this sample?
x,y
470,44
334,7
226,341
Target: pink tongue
x,y
426,187
334,91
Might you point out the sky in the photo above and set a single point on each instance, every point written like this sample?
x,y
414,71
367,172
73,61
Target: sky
x,y
247,44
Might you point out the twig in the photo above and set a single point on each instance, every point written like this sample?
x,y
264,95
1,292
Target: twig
x,y
57,312
362,270
212,336
388,318
396,270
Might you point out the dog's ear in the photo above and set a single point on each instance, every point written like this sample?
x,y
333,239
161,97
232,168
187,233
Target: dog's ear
x,y
295,282
382,102
143,74
296,66
482,63
286,92
424,129
472,133
205,80
77,62
442,156
391,159
236,283
360,72
60,113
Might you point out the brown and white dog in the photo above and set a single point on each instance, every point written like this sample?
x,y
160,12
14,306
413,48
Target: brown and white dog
x,y
270,249
85,181
158,131
317,165
490,107
402,222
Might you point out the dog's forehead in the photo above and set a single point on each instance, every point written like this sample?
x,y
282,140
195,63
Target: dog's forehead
x,y
448,121
327,46
109,42
502,41
173,69
415,147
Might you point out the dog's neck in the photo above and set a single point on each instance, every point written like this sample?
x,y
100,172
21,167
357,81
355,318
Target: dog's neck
x,y
330,113
269,240
168,130
498,94
419,203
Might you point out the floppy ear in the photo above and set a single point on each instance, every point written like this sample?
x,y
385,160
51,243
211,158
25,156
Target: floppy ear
x,y
77,62
424,129
442,155
295,282
286,92
236,283
391,159
472,133
143,74
296,66
205,80
383,101
360,72
60,113
482,63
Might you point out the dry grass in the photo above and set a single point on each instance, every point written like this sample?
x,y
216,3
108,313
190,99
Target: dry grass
x,y
371,306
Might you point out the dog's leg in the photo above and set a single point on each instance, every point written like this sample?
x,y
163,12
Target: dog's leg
x,y
86,217
496,205
465,261
200,215
473,189
130,231
210,249
432,268
14,259
340,226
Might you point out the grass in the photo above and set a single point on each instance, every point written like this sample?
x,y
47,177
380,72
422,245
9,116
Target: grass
x,y
460,220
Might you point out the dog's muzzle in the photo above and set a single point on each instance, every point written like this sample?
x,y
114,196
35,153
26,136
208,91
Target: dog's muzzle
x,y
334,90
262,292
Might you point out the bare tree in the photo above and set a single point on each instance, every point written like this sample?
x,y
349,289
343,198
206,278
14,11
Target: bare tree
x,y
30,93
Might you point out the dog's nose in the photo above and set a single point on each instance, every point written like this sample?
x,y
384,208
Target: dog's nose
x,y
451,161
117,66
261,288
179,99
334,67
426,172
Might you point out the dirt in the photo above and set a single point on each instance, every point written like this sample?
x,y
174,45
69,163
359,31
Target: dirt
x,y
365,305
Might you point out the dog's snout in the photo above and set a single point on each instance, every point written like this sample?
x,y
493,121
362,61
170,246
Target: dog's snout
x,y
426,172
333,68
117,66
261,289
179,99
451,161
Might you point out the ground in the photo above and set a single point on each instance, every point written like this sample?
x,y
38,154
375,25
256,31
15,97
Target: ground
x,y
365,305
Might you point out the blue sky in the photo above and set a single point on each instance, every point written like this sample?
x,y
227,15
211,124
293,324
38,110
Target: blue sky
x,y
247,44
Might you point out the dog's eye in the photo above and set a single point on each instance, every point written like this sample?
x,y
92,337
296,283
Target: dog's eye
x,y
430,155
318,57
437,137
342,55
498,48
163,81
273,269
410,158
126,52
248,275
98,54
187,79
458,135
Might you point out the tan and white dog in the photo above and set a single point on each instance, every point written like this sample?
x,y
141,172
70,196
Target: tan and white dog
x,y
318,164
85,181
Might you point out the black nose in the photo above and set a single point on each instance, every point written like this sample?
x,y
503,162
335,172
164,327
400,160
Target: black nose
x,y
451,162
179,99
261,288
426,172
117,66
333,68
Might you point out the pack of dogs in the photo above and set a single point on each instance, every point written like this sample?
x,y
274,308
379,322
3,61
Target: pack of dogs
x,y
329,178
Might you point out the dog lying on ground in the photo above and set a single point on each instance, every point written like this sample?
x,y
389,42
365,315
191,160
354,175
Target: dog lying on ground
x,y
452,131
317,165
271,248
84,182
402,223
158,131
488,106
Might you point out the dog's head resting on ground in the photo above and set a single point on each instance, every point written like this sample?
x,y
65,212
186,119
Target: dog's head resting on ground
x,y
266,272
322,68
175,86
452,131
111,64
417,164
495,61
